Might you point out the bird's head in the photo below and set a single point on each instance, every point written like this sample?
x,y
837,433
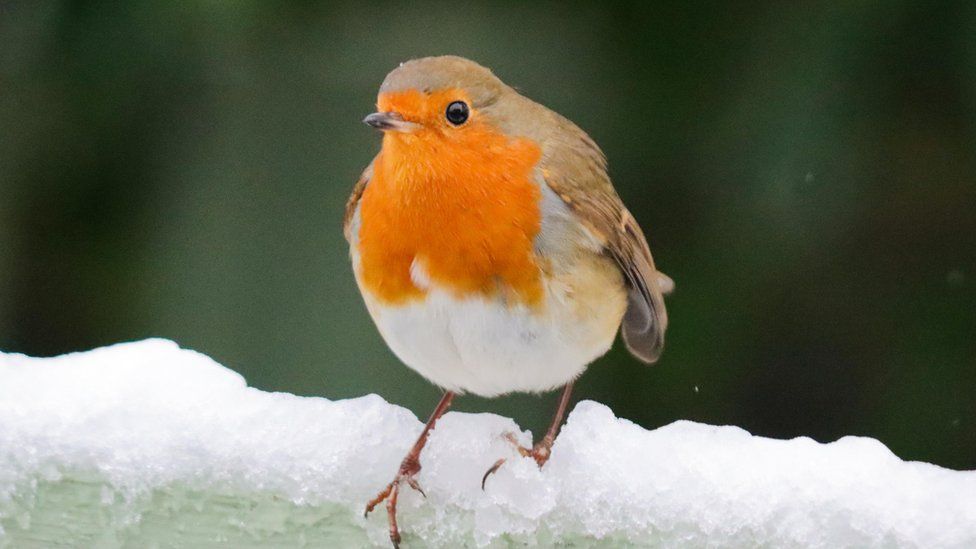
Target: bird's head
x,y
444,100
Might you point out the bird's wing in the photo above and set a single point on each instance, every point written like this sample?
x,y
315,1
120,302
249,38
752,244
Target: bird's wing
x,y
577,172
357,193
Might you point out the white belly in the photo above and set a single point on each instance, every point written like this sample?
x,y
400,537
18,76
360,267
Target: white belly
x,y
489,348
485,347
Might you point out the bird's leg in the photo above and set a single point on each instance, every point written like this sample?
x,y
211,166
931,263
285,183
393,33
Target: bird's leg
x,y
541,451
409,467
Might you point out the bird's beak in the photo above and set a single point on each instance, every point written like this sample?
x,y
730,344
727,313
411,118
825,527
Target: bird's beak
x,y
390,121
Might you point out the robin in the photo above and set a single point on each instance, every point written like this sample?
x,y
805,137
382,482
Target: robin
x,y
490,247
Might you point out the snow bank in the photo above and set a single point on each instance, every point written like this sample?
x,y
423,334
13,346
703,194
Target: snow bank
x,y
145,444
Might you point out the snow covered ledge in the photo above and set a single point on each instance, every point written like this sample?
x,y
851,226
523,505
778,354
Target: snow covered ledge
x,y
145,444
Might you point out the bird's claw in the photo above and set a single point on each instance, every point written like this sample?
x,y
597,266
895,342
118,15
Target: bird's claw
x,y
491,470
540,452
413,484
408,469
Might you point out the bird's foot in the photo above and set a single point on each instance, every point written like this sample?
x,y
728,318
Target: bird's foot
x,y
406,474
540,452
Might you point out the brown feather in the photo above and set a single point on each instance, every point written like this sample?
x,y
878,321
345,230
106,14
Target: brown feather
x,y
575,168
357,193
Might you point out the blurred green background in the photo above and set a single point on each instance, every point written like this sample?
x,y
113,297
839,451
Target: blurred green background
x,y
805,171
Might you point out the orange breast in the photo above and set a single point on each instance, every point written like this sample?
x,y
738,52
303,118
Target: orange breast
x,y
464,206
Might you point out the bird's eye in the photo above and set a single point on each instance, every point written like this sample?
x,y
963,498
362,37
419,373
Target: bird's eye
x,y
457,113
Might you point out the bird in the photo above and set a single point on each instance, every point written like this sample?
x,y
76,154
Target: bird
x,y
491,249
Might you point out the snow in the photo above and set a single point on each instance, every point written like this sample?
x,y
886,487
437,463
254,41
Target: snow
x,y
145,444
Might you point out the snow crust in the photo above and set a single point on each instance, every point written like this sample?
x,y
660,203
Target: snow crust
x,y
145,444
